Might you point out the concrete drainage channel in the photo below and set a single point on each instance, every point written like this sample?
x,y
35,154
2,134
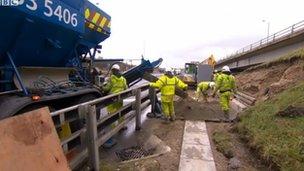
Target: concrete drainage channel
x,y
153,147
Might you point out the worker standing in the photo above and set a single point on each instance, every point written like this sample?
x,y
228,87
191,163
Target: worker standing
x,y
216,73
202,88
116,84
167,84
225,83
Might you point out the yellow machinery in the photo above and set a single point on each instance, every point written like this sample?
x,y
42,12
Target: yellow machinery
x,y
198,71
210,61
190,73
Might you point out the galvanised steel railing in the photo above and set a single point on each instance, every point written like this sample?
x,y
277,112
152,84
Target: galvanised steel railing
x,y
286,33
92,133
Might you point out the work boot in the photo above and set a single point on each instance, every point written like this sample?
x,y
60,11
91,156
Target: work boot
x,y
124,128
158,115
172,118
110,143
227,116
166,120
151,115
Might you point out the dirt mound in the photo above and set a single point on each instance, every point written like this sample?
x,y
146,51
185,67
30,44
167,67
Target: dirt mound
x,y
291,111
225,140
268,81
190,109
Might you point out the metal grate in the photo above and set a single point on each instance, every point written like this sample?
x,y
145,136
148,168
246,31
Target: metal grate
x,y
135,152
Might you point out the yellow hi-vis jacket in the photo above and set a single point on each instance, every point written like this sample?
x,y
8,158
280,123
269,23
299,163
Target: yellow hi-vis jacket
x,y
116,84
167,87
215,76
202,87
225,83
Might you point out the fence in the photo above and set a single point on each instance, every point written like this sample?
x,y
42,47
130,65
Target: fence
x,y
90,133
286,33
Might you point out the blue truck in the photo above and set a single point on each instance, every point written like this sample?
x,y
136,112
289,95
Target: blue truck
x,y
47,54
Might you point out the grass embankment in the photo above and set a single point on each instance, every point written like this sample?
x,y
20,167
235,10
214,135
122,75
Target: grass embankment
x,y
278,140
223,143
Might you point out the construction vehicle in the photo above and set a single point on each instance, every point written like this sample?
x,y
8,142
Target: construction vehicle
x,y
196,72
190,73
47,53
210,61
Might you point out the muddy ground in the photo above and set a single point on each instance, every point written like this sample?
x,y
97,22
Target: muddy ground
x,y
248,160
171,134
261,82
190,109
211,111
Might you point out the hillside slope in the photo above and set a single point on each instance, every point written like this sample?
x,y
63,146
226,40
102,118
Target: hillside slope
x,y
278,140
266,80
274,127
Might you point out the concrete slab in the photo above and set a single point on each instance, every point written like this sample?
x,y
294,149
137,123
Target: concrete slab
x,y
196,165
196,153
197,139
195,127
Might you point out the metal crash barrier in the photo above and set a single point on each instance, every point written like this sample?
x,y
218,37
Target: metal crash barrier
x,y
91,135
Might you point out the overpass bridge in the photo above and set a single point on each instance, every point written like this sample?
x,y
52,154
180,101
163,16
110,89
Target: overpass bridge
x,y
267,49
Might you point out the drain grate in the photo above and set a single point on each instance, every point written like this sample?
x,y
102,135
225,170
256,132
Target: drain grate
x,y
135,152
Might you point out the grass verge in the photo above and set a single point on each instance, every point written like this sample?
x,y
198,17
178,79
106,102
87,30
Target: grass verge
x,y
222,141
278,140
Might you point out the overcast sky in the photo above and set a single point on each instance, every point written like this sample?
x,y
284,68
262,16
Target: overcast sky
x,y
181,31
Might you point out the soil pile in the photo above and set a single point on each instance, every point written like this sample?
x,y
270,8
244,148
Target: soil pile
x,y
266,80
190,109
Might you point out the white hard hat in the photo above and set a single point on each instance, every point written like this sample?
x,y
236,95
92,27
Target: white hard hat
x,y
168,70
211,84
116,66
226,68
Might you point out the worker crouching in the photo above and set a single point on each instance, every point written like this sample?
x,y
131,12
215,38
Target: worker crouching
x,y
202,88
225,84
167,84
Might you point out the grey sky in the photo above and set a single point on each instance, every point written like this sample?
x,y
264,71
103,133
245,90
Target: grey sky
x,y
185,30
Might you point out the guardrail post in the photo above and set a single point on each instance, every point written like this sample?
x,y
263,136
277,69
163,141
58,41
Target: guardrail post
x,y
137,108
91,125
82,112
292,29
62,121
